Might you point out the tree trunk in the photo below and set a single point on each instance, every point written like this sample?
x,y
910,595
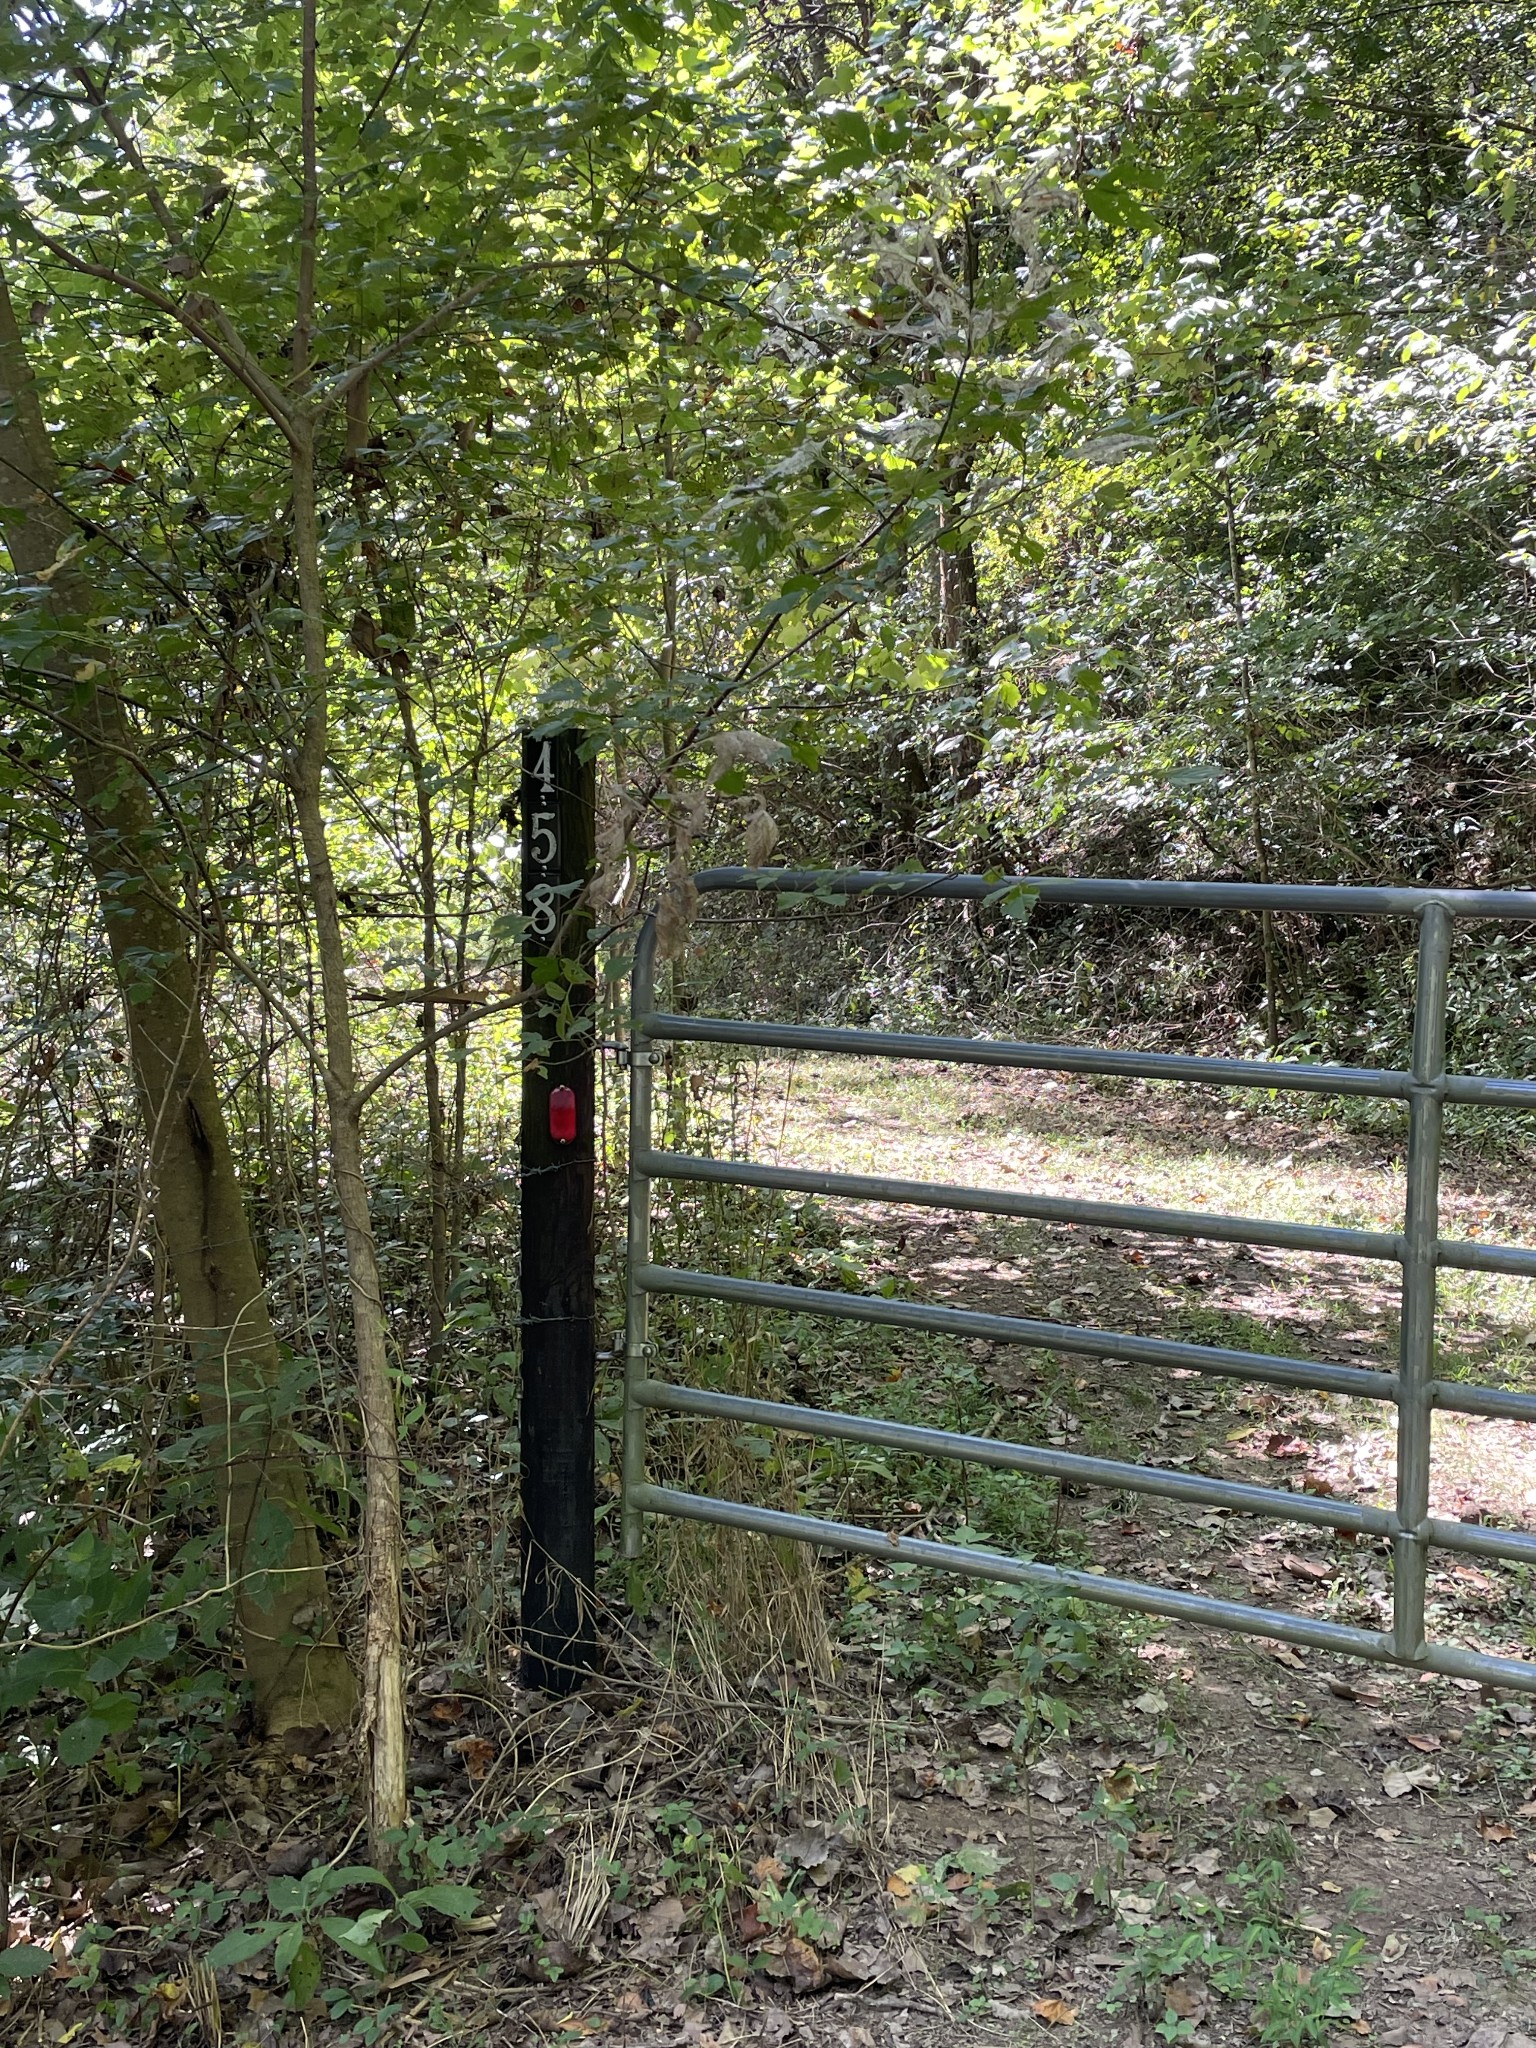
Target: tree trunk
x,y
1261,860
383,1547
960,622
959,582
383,1655
431,971
393,665
297,1670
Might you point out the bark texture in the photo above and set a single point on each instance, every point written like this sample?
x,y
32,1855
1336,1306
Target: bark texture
x,y
383,1652
297,1669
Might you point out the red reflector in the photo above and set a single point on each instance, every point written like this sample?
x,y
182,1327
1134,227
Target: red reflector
x,y
562,1115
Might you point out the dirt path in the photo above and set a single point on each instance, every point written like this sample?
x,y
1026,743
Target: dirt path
x,y
1232,1747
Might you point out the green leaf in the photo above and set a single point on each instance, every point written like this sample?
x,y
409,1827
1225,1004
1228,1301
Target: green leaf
x,y
1016,901
80,1741
287,1946
270,1537
351,1874
458,1901
1112,198
23,1677
241,1943
303,1975
25,1961
360,1933
83,1737
113,1659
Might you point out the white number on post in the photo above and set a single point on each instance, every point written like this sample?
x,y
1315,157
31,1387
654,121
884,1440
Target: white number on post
x,y
541,910
543,843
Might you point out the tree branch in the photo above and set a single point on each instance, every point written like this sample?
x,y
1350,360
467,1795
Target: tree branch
x,y
238,360
429,325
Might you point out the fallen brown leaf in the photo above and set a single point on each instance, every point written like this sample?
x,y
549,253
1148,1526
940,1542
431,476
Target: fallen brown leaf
x,y
1426,1744
1310,1568
291,1858
1121,1783
804,1967
818,1851
974,1934
1282,1446
658,1928
1398,1783
476,1754
1047,1783
1358,1694
1054,2011
1186,1998
861,1963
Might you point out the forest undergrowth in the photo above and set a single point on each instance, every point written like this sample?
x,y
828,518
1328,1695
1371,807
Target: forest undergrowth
x,y
813,1800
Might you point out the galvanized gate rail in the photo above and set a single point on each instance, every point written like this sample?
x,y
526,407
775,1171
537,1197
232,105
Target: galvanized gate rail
x,y
1417,1248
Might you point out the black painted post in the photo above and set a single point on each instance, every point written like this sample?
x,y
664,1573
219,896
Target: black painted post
x,y
559,1335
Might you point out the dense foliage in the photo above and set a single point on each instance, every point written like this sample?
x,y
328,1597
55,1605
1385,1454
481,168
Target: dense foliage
x,y
1087,434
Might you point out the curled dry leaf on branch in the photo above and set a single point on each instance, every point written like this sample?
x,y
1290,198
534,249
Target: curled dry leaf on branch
x,y
676,910
678,905
613,883
762,836
688,806
744,749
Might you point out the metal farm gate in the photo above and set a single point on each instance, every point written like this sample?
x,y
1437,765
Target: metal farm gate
x,y
1418,1248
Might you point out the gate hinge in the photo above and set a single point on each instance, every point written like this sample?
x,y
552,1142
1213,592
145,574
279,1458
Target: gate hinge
x,y
624,1054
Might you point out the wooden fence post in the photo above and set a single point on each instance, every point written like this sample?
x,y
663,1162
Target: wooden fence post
x,y
558,1306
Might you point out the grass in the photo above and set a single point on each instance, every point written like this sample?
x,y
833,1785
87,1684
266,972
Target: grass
x,y
1021,1679
1173,1148
1243,1945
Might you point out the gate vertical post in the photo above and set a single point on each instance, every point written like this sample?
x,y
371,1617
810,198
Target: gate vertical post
x,y
638,1251
1421,1232
559,1345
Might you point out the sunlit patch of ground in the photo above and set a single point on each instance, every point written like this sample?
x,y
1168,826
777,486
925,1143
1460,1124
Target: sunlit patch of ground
x,y
1183,1148
1403,1804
